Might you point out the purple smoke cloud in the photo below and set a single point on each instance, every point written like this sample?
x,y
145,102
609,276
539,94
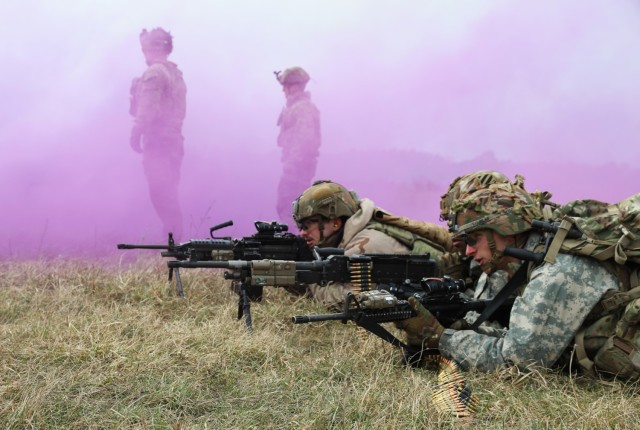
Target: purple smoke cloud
x,y
411,96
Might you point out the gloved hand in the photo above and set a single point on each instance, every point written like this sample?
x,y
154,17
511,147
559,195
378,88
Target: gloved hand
x,y
452,264
423,329
134,140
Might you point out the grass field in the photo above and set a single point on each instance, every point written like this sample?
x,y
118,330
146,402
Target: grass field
x,y
109,345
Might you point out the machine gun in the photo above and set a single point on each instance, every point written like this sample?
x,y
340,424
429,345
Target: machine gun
x,y
271,241
369,309
364,272
443,297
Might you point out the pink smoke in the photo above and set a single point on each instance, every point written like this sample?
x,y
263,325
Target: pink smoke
x,y
410,98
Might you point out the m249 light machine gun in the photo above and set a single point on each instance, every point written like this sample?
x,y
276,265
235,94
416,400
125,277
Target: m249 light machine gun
x,y
364,272
270,241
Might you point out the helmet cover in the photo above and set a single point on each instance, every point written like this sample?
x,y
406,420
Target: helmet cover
x,y
326,198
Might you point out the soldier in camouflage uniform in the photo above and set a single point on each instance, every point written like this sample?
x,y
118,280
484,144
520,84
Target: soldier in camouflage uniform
x,y
460,187
555,301
481,285
299,139
158,105
329,215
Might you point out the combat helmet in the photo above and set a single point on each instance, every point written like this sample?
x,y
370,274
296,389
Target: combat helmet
x,y
504,207
325,198
157,39
292,76
462,187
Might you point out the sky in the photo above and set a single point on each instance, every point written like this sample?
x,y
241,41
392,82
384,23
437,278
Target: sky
x,y
411,95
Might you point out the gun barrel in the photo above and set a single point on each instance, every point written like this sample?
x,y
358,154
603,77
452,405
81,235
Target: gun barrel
x,y
130,246
303,319
241,264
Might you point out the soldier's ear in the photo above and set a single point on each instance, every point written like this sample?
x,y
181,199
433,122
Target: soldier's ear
x,y
337,223
510,240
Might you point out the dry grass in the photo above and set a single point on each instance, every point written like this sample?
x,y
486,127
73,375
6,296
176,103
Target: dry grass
x,y
105,345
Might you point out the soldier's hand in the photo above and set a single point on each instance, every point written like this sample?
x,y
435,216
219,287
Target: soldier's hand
x,y
459,325
135,140
452,264
423,328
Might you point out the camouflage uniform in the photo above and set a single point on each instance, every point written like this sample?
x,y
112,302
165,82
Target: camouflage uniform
x,y
158,105
543,321
486,287
357,239
483,286
362,232
300,140
555,300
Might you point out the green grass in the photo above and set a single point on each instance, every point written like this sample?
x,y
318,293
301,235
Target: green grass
x,y
104,345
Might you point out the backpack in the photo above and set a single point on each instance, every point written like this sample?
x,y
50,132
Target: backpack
x,y
414,234
610,233
421,238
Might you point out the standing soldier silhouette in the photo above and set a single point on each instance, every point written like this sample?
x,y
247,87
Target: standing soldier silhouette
x,y
299,139
158,105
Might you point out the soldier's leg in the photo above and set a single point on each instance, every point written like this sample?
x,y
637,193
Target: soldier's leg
x,y
288,190
162,170
295,178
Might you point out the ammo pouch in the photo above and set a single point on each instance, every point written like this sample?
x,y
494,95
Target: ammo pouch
x,y
618,357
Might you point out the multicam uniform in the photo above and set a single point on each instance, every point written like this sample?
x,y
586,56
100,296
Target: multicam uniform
x,y
159,107
300,140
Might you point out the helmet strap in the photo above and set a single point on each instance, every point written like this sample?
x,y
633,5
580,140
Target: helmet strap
x,y
332,240
496,256
491,265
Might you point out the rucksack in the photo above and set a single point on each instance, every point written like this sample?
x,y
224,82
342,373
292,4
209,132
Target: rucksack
x,y
609,231
611,235
418,236
421,237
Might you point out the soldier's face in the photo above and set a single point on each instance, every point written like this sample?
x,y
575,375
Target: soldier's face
x,y
314,229
310,230
478,246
